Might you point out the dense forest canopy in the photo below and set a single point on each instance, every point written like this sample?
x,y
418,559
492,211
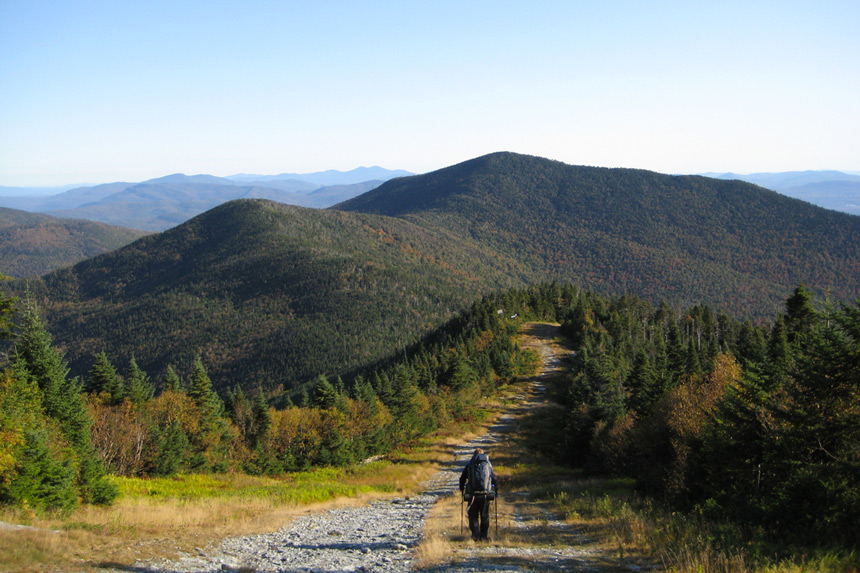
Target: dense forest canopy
x,y
684,239
32,244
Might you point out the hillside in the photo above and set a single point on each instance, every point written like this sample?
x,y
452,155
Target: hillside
x,y
687,239
274,295
829,189
268,293
164,202
33,244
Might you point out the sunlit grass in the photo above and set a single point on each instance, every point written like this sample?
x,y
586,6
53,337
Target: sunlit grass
x,y
164,517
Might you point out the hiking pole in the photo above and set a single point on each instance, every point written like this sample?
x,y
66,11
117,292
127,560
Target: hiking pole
x,y
496,507
462,501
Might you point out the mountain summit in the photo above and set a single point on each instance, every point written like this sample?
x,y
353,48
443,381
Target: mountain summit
x,y
687,239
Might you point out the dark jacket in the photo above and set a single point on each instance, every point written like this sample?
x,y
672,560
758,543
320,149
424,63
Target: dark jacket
x,y
464,477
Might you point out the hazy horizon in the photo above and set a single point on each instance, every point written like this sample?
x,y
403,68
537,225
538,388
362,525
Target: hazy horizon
x,y
101,92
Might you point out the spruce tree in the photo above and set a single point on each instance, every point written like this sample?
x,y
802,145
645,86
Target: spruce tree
x,y
172,381
103,380
200,390
138,388
262,419
62,401
325,395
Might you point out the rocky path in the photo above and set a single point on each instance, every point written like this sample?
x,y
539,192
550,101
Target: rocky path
x,y
382,536
379,536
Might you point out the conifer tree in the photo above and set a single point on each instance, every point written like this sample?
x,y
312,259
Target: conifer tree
x,y
209,440
103,379
262,418
200,390
138,388
325,395
63,402
172,381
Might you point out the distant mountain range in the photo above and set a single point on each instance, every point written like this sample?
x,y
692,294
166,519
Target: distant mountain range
x,y
273,295
329,177
32,244
829,189
158,204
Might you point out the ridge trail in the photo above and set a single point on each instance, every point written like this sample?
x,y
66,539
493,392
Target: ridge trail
x,y
383,535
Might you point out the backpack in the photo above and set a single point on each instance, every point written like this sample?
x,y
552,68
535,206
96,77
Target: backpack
x,y
480,478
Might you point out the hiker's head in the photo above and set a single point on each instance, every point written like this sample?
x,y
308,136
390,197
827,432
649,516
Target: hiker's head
x,y
478,451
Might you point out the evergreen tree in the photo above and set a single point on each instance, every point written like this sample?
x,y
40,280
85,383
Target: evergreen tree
x,y
172,381
643,385
7,308
103,380
325,395
35,468
210,440
173,449
262,419
200,390
137,385
800,315
821,437
62,401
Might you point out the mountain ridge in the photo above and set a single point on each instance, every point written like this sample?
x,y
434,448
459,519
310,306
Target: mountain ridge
x,y
650,221
32,244
160,203
273,294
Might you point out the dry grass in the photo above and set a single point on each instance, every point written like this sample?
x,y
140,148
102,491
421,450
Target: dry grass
x,y
139,528
166,517
436,543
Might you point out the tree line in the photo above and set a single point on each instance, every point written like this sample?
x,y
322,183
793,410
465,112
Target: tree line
x,y
62,436
755,424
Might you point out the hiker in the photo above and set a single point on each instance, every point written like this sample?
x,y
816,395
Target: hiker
x,y
478,486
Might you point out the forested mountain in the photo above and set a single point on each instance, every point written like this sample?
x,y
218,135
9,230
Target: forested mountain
x,y
266,293
162,203
274,295
165,202
33,244
687,239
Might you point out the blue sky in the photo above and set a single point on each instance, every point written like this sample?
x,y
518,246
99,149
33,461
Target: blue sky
x,y
125,91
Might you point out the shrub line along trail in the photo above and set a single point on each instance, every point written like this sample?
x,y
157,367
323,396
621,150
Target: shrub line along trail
x,y
383,535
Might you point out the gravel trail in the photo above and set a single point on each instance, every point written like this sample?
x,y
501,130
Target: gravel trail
x,y
380,536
